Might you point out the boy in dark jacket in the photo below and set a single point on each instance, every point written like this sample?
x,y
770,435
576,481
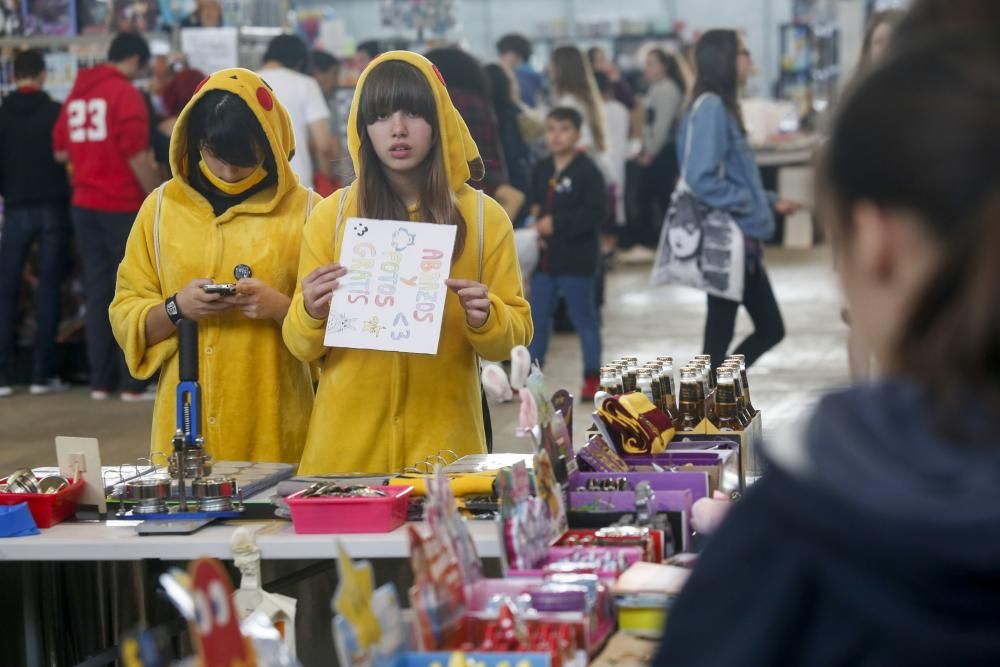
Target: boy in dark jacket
x,y
568,204
36,199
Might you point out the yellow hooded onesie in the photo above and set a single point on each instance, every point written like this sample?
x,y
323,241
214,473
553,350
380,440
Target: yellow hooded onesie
x,y
382,411
256,396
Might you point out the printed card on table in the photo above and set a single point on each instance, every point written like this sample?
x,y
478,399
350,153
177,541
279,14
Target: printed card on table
x,y
393,295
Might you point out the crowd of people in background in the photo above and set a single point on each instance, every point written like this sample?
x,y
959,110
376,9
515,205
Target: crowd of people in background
x,y
520,118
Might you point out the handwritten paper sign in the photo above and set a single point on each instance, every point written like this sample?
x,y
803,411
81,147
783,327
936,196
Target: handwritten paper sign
x,y
392,297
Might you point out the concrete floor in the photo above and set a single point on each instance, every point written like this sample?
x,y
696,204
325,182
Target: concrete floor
x,y
637,320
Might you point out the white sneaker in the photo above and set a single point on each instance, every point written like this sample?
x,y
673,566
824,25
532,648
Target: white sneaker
x,y
137,397
6,391
53,386
99,395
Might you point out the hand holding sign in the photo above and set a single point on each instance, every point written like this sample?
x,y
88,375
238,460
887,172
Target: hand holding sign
x,y
318,287
475,298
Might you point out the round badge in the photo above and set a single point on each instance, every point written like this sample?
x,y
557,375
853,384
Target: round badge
x,y
242,271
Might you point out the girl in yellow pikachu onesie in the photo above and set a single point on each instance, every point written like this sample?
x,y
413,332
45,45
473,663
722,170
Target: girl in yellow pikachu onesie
x,y
234,212
382,411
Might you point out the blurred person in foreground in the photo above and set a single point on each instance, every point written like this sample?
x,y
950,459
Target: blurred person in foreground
x,y
874,539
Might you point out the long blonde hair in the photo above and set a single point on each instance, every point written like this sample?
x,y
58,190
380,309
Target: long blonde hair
x,y
392,86
571,74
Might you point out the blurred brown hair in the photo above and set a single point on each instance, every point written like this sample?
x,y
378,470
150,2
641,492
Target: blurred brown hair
x,y
571,74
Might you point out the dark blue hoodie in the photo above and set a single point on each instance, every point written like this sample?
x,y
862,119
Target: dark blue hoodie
x,y
875,542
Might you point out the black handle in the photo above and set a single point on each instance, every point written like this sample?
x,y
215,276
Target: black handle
x,y
188,344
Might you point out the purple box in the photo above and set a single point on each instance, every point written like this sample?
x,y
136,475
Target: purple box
x,y
678,480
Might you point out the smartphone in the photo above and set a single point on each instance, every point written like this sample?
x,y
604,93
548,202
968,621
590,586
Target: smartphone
x,y
227,289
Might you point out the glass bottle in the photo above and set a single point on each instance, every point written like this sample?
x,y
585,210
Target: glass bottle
x,y
644,383
741,405
667,381
655,370
619,378
706,360
726,416
632,369
609,380
692,406
746,383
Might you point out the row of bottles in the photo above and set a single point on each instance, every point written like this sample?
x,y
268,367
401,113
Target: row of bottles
x,y
722,397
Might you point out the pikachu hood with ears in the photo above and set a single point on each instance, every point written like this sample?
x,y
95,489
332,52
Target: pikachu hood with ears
x,y
384,411
256,397
271,114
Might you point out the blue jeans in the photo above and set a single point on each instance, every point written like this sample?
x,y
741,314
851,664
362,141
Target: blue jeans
x,y
48,225
101,237
579,294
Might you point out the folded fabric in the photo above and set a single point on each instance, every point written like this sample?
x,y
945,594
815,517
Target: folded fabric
x,y
640,427
16,521
465,484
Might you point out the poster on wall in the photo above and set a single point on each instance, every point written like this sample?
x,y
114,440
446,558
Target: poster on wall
x,y
93,16
135,15
55,18
211,49
393,295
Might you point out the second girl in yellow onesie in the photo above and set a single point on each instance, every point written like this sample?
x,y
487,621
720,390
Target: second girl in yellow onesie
x,y
233,213
382,411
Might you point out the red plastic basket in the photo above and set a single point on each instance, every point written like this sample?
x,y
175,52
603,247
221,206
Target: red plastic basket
x,y
324,514
47,509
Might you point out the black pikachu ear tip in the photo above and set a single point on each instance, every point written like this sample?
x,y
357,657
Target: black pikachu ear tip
x,y
477,170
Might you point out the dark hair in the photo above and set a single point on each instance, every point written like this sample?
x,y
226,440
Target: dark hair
x,y
371,47
715,61
603,82
29,64
290,51
324,61
592,56
501,87
224,124
572,74
515,43
890,17
671,68
394,85
938,160
128,44
460,70
568,115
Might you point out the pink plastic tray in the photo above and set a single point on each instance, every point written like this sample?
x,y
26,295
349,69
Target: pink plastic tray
x,y
350,515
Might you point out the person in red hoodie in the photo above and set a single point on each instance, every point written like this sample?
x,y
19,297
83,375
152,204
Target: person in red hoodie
x,y
103,131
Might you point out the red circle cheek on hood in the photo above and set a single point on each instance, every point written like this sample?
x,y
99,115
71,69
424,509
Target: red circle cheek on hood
x,y
265,98
201,85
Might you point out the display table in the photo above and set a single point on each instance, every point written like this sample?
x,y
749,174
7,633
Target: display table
x,y
277,540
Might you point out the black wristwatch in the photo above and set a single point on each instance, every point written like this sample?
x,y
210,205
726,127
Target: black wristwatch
x,y
173,310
